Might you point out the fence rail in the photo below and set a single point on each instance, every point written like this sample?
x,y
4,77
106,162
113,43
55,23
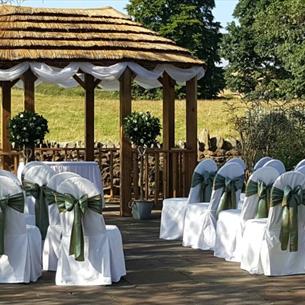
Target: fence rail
x,y
164,170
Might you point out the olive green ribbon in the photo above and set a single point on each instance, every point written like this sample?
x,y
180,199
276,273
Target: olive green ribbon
x,y
263,192
15,202
67,203
290,199
41,205
206,182
229,188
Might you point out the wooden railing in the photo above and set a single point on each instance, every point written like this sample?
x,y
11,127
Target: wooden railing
x,y
164,171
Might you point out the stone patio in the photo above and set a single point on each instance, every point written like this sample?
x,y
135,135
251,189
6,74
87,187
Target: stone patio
x,y
163,272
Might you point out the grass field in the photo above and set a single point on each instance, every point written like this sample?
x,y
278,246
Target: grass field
x,y
64,109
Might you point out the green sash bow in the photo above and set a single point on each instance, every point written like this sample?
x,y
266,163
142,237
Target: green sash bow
x,y
15,202
67,203
206,182
230,186
41,206
263,192
290,199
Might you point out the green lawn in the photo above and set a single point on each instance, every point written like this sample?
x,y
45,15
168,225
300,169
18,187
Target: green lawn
x,y
64,109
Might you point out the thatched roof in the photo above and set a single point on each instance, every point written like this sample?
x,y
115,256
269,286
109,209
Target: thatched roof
x,y
95,35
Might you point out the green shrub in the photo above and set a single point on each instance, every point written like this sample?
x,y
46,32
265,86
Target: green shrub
x,y
27,129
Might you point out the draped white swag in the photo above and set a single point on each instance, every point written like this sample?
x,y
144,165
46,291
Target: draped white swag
x,y
109,76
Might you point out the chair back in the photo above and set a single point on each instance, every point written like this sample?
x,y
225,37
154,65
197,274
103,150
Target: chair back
x,y
40,174
202,181
264,175
239,161
261,162
27,166
15,221
277,164
300,169
4,173
301,163
93,223
286,218
57,179
232,171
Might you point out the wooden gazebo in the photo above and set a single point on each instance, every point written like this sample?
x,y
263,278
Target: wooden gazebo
x,y
102,37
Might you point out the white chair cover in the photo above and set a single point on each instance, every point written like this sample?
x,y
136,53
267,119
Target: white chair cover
x,y
23,168
52,241
230,224
200,219
21,262
277,164
261,247
301,163
104,259
10,175
173,210
300,169
237,160
261,162
35,172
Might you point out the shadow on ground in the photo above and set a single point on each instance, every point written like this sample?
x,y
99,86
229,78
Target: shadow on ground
x,y
164,272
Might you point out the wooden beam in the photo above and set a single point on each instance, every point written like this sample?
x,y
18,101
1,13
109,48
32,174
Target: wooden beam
x,y
6,115
191,129
89,117
79,81
168,131
29,90
125,147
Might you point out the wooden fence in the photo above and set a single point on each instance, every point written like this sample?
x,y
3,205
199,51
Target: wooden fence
x,y
165,172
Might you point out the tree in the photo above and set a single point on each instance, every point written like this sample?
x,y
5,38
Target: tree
x,y
264,49
190,23
238,48
280,40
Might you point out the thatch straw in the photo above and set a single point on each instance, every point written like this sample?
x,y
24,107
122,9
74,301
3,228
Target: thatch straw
x,y
96,35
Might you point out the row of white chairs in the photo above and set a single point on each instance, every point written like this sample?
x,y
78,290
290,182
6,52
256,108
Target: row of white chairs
x,y
240,234
102,259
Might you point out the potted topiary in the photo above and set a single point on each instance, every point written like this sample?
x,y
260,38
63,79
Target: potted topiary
x,y
142,129
26,130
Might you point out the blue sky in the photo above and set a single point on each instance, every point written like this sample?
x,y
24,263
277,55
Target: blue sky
x,y
223,11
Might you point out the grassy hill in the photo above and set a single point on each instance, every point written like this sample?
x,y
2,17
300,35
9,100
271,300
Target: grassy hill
x,y
64,109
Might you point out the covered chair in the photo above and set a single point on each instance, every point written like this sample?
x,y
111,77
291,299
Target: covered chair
x,y
4,173
261,162
230,224
277,164
53,237
239,161
276,246
35,180
86,256
200,219
23,168
300,169
20,244
301,163
173,210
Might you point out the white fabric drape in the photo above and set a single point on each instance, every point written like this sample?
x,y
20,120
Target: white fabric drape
x,y
109,76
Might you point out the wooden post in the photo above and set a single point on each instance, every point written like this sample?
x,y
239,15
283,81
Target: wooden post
x,y
89,117
168,130
6,115
191,129
125,147
29,90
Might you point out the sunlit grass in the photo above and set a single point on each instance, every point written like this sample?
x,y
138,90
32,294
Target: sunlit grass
x,y
65,113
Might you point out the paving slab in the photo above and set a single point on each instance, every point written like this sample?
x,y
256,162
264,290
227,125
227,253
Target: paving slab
x,y
164,272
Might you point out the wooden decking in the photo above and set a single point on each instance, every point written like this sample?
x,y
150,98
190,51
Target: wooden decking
x,y
164,272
